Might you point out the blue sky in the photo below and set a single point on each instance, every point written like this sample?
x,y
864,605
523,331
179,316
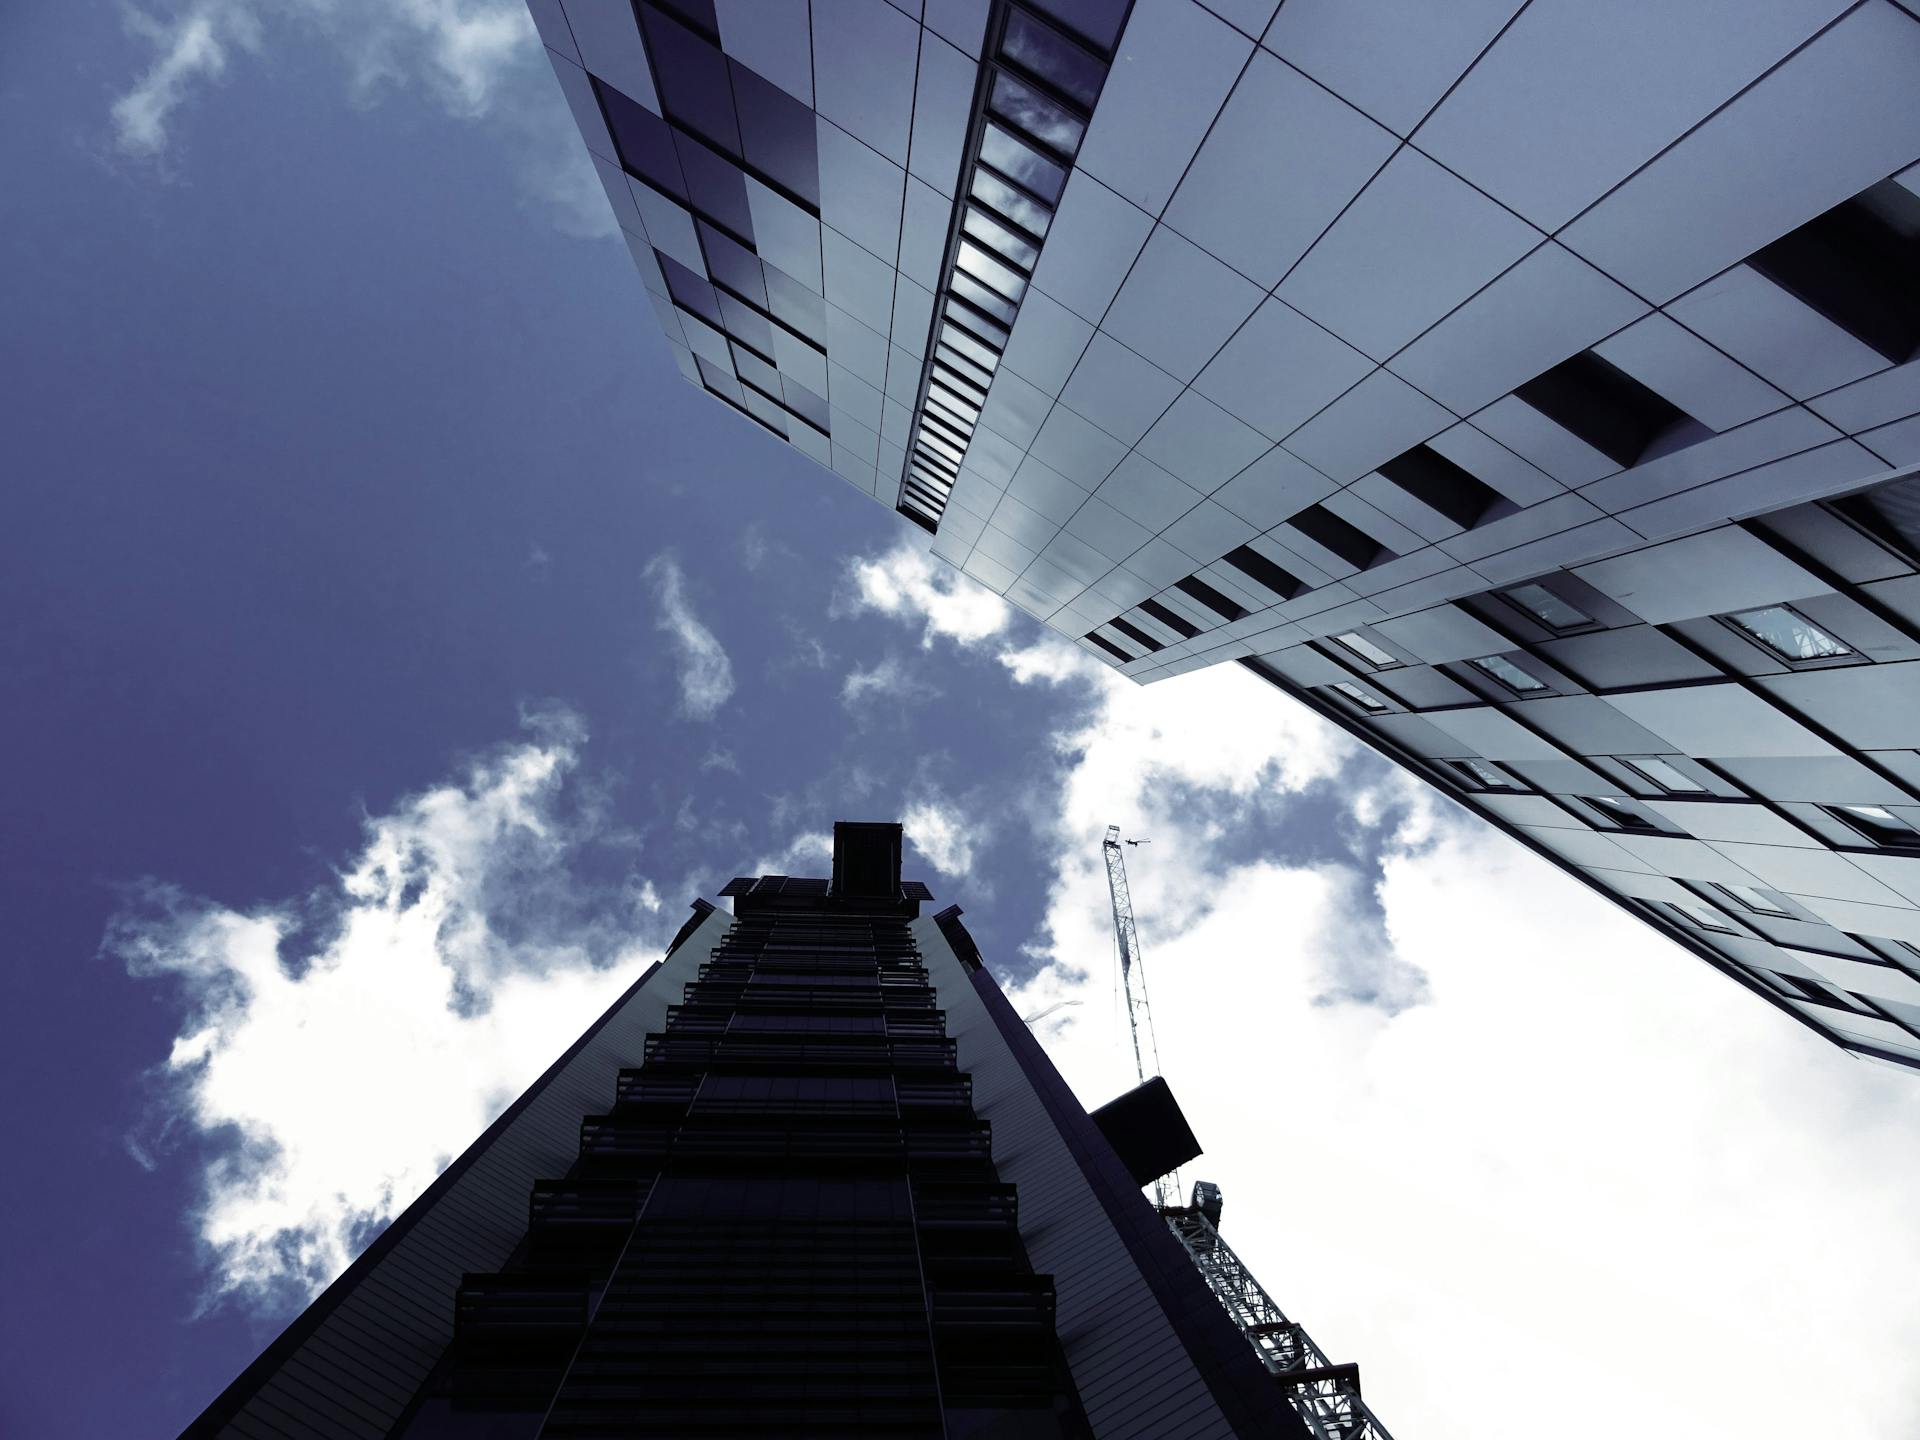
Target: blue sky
x,y
393,645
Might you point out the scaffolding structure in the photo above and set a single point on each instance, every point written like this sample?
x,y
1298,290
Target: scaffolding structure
x,y
1324,1395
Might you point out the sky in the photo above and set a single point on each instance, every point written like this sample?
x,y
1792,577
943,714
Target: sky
x,y
392,646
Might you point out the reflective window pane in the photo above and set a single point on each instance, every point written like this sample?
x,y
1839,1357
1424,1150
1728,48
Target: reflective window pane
x,y
1370,703
692,76
1021,163
1509,674
1698,912
1365,649
1481,773
778,134
1787,633
733,265
747,324
991,271
755,371
1096,20
1666,776
795,306
1026,109
1620,812
715,186
965,368
690,291
644,140
1876,823
1548,608
951,404
803,400
1756,900
981,298
958,383
1015,204
1036,46
955,338
1002,240
989,330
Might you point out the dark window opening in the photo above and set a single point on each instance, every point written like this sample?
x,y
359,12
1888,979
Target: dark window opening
x,y
1877,824
1442,486
1257,567
1137,635
716,189
1604,406
1197,589
1890,513
1046,54
1175,622
644,140
1342,537
1806,989
691,75
1858,265
1097,20
778,133
1621,814
1702,916
1112,649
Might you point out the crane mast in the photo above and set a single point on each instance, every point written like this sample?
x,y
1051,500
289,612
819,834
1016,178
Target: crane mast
x,y
1325,1396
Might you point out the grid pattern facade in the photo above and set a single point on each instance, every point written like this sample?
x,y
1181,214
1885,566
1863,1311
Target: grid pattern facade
x,y
789,1223
1284,323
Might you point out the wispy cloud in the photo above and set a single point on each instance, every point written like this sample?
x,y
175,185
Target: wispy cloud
x,y
907,583
480,60
338,1049
889,679
706,674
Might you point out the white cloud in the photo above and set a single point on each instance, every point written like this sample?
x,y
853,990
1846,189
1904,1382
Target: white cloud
x,y
339,1051
942,833
706,675
479,59
887,679
1478,1129
808,853
906,582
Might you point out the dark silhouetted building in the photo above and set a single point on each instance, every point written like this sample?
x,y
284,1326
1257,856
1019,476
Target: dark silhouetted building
x,y
810,1176
1525,385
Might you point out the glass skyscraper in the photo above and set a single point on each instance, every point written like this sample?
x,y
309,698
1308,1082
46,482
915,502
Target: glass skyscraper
x,y
1531,387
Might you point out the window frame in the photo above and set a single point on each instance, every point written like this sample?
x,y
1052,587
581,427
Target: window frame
x,y
1365,701
1850,655
1589,624
1864,827
1539,687
1633,763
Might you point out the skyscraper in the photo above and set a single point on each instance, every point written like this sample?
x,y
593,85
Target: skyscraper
x,y
1523,385
810,1176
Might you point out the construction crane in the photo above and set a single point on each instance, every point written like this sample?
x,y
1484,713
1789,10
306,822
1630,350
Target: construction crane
x,y
1325,1396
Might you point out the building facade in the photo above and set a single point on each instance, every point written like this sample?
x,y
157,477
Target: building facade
x,y
1526,385
810,1176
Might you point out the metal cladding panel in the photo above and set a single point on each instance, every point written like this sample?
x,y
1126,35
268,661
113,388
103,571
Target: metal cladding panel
x,y
349,1366
1133,1361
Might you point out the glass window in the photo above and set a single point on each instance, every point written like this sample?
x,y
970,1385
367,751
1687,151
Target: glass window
x,y
1548,608
958,382
795,306
1025,108
964,367
644,140
1664,775
715,186
689,291
992,331
1890,511
983,265
755,371
1098,20
746,323
982,355
1787,633
692,75
1480,773
1016,205
1509,674
951,403
778,133
807,404
1702,915
1876,823
1620,812
1021,163
988,302
1043,50
1756,900
1001,239
1372,704
1365,648
733,265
